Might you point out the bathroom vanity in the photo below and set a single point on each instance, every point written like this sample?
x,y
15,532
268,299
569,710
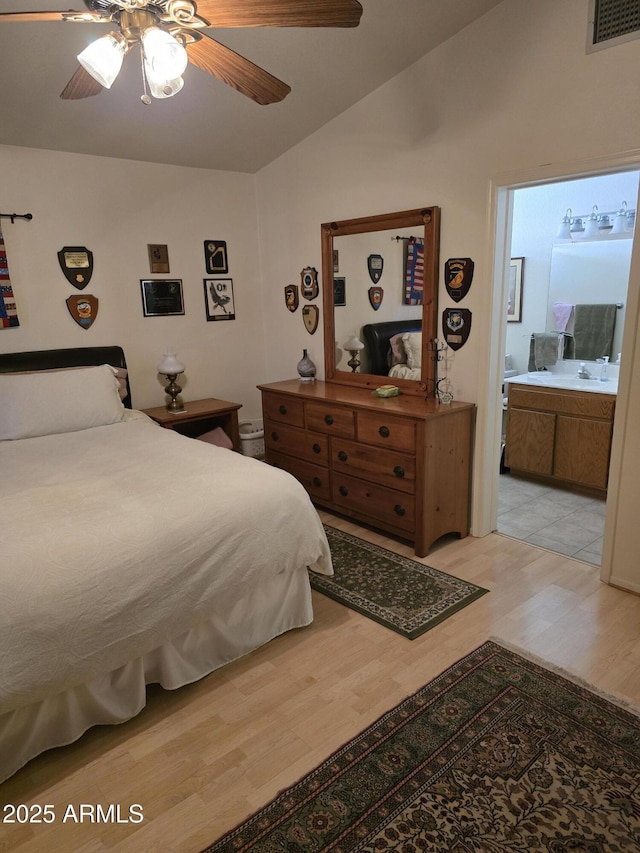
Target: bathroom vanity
x,y
559,430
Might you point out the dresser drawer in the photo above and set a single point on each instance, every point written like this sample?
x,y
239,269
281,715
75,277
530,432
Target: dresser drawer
x,y
387,467
296,442
279,407
387,505
334,420
314,478
386,430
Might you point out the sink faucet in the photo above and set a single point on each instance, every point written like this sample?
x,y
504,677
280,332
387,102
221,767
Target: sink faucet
x,y
584,373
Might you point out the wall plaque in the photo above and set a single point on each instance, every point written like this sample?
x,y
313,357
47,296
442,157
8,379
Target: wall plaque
x,y
76,262
83,309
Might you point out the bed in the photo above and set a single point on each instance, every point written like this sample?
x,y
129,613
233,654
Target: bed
x,y
394,348
130,554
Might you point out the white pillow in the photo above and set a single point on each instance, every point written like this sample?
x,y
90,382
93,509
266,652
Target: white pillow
x,y
33,404
413,345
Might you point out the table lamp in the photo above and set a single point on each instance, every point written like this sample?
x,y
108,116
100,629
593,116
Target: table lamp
x,y
171,368
353,347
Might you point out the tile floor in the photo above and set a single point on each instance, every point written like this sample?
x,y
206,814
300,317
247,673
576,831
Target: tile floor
x,y
558,520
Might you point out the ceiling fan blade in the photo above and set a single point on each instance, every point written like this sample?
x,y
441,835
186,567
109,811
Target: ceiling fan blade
x,y
236,71
81,85
281,13
67,15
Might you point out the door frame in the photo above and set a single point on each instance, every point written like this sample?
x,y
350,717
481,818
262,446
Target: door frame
x,y
491,377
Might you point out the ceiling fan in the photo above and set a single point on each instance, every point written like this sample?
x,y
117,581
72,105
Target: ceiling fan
x,y
170,36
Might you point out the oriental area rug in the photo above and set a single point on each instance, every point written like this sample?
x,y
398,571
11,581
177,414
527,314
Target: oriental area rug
x,y
498,753
401,594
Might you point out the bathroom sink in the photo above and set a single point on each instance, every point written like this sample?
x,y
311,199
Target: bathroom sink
x,y
563,380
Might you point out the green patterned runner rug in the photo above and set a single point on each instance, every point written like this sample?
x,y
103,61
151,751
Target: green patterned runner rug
x,y
496,754
400,593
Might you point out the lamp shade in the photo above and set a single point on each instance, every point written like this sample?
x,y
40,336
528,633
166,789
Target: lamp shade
x,y
166,89
354,344
170,366
564,231
164,57
103,58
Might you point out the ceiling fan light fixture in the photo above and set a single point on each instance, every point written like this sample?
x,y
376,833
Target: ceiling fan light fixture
x,y
165,58
103,58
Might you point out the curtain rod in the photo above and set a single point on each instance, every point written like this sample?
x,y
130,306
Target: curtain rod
x,y
14,216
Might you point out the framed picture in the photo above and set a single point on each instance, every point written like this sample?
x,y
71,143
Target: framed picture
x,y
162,297
336,261
158,258
339,291
514,292
215,257
218,299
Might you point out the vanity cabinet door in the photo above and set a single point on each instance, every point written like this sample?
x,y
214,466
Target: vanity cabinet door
x,y
582,451
530,440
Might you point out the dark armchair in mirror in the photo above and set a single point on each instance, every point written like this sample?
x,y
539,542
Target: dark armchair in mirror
x,y
351,242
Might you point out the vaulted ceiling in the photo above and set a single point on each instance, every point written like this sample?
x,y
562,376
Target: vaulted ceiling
x,y
208,124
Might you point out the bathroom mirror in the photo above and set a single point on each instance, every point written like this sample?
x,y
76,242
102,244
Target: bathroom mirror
x,y
363,259
590,273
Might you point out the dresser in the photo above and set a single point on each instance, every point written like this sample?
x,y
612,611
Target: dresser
x,y
400,464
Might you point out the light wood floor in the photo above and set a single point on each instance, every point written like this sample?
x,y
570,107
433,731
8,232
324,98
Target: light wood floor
x,y
201,759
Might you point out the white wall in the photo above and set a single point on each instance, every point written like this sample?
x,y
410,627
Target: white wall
x,y
115,208
514,92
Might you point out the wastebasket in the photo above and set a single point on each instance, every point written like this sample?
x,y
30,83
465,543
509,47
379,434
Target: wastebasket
x,y
252,438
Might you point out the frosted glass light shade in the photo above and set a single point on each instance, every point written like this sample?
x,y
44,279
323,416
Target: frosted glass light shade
x,y
354,344
164,89
165,58
170,366
103,58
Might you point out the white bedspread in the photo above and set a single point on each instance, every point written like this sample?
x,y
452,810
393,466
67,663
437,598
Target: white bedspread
x,y
403,371
118,538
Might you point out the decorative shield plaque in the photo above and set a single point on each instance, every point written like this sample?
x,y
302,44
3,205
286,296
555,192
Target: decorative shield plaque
x,y
456,325
375,264
76,262
375,297
458,273
83,309
310,316
291,297
309,278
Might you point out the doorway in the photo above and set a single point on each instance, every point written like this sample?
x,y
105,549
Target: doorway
x,y
561,520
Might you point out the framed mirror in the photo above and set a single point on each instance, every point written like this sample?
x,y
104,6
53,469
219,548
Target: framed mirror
x,y
380,283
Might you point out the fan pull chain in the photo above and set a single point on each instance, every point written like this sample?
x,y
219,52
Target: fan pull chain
x,y
146,100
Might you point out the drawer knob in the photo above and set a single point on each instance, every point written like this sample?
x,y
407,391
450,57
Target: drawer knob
x,y
344,491
274,436
342,456
399,510
282,409
317,481
384,431
316,448
398,471
328,420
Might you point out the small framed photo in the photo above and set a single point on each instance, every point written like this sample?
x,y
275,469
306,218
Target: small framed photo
x,y
161,297
336,260
158,258
218,299
339,291
215,257
514,291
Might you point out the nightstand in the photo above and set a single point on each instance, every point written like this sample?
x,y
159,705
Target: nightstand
x,y
200,416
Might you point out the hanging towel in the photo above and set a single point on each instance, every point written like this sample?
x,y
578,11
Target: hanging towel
x,y
544,350
562,312
8,313
593,331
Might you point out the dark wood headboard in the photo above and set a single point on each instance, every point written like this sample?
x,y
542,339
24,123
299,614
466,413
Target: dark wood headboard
x,y
51,359
377,337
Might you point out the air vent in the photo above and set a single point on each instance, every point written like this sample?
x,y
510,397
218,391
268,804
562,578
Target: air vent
x,y
612,22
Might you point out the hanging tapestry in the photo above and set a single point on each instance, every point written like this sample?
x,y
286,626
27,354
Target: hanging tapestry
x,y
414,272
8,313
